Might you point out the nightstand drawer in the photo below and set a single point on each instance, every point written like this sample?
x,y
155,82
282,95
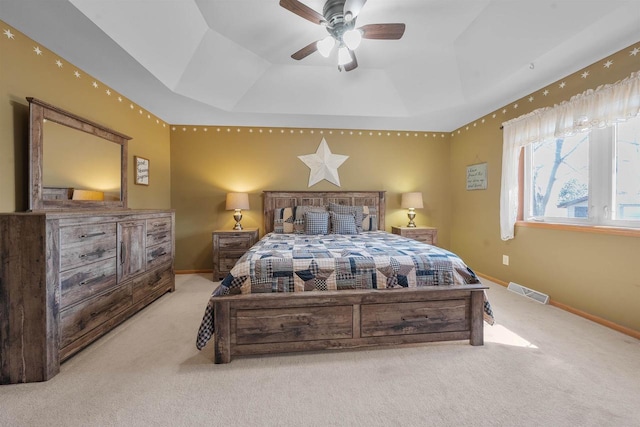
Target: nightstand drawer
x,y
427,235
235,241
229,259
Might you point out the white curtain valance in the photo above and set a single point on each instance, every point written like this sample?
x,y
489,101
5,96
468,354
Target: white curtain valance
x,y
599,108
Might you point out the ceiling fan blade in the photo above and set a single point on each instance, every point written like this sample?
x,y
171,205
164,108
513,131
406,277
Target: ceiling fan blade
x,y
354,62
302,10
305,51
382,31
353,6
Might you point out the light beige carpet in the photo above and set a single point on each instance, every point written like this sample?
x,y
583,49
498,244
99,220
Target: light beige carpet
x,y
540,366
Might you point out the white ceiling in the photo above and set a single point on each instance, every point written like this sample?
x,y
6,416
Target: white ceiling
x,y
208,62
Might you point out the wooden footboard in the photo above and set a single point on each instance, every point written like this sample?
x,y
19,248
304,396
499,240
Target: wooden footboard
x,y
278,323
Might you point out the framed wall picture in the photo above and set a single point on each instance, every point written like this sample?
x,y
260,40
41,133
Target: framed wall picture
x,y
141,166
477,177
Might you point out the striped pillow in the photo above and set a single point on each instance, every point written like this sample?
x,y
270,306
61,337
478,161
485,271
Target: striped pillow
x,y
316,223
343,223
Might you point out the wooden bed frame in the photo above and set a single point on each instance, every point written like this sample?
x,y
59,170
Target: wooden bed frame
x,y
277,323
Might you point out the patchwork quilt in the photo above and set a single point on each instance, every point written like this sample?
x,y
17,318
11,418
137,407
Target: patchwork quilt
x,y
370,260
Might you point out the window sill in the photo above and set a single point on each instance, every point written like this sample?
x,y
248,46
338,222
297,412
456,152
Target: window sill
x,y
598,229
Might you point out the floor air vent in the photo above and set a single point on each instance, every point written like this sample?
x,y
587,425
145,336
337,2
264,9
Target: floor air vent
x,y
529,293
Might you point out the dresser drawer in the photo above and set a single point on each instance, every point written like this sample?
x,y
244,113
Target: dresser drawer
x,y
158,254
158,237
87,234
414,317
158,231
87,280
97,246
82,318
159,225
147,284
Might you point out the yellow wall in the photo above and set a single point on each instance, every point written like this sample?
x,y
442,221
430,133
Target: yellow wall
x,y
24,73
591,272
208,162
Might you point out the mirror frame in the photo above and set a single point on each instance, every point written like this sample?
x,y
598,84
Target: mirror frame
x,y
39,111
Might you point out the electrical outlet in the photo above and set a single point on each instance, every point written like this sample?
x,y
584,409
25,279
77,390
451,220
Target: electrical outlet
x,y
505,259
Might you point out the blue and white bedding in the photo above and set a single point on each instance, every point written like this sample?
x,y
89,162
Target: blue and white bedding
x,y
368,260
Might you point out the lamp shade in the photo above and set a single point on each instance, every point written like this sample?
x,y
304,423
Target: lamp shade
x,y
412,200
237,201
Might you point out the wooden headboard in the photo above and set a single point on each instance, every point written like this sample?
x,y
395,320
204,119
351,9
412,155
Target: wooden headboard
x,y
284,199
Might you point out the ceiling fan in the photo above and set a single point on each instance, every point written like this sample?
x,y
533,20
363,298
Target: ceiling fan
x,y
339,17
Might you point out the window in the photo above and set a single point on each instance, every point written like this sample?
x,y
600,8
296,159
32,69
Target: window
x,y
589,178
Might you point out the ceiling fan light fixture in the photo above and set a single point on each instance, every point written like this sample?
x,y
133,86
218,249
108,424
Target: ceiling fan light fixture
x,y
352,38
325,46
343,56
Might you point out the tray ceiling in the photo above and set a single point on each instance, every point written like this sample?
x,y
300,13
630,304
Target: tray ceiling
x,y
228,62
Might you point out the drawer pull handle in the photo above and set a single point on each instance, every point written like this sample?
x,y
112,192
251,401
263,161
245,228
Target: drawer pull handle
x,y
84,282
84,236
414,318
97,253
159,224
123,250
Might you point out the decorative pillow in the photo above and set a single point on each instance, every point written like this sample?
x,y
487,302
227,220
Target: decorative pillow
x,y
357,211
299,215
343,223
283,220
316,222
369,218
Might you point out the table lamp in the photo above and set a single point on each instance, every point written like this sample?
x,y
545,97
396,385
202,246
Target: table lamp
x,y
411,201
236,202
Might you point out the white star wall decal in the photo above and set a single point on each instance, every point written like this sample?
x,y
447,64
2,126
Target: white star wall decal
x,y
37,50
9,34
323,164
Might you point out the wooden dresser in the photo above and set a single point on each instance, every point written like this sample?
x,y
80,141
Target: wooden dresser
x,y
69,277
427,235
228,247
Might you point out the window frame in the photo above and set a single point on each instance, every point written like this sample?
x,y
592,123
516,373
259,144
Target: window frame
x,y
602,203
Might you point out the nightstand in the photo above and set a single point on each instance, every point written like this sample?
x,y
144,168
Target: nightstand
x,y
422,234
228,247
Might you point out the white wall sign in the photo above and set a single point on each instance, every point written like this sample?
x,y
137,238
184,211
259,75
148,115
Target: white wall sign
x,y
477,177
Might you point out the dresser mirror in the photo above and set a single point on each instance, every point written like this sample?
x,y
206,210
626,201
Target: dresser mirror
x,y
74,163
